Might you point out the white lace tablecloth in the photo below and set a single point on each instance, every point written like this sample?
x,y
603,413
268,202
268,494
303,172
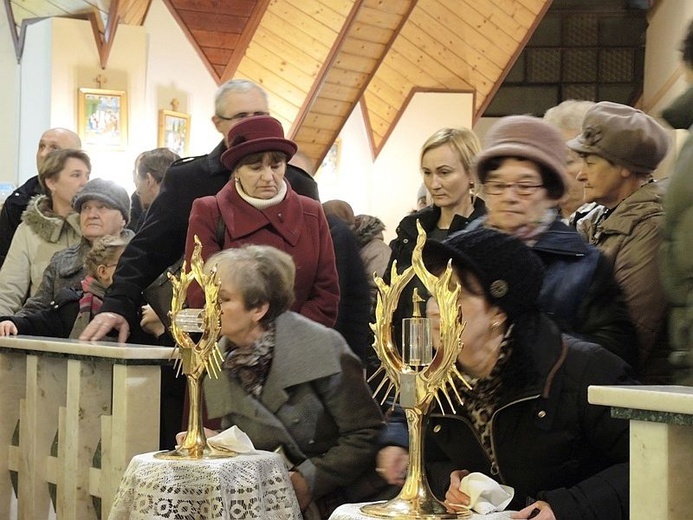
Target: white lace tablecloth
x,y
246,486
353,512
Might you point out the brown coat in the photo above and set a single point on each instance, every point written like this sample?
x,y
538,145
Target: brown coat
x,y
630,239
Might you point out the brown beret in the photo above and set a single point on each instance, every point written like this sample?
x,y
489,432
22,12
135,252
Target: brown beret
x,y
622,135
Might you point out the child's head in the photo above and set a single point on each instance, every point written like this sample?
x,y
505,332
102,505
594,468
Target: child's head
x,y
103,257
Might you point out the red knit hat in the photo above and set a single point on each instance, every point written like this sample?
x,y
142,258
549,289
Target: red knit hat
x,y
254,135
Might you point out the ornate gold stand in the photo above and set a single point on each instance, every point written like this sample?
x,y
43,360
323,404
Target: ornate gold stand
x,y
199,358
417,386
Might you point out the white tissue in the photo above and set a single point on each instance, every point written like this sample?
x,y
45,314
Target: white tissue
x,y
232,440
485,494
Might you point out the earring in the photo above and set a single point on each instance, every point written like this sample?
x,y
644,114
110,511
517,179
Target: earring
x,y
472,192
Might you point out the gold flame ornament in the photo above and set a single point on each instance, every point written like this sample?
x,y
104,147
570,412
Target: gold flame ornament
x,y
195,358
417,384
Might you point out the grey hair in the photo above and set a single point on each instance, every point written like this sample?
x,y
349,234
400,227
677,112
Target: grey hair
x,y
261,274
235,86
568,115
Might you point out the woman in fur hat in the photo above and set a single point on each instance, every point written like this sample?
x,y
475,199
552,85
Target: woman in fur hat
x,y
49,224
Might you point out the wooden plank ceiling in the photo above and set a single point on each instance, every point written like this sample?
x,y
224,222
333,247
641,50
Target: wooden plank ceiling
x,y
319,58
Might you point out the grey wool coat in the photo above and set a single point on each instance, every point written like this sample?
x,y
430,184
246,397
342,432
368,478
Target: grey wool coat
x,y
315,403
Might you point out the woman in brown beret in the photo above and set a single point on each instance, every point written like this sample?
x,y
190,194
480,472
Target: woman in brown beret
x,y
620,147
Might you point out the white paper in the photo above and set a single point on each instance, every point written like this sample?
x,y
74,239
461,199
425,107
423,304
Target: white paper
x,y
485,494
231,440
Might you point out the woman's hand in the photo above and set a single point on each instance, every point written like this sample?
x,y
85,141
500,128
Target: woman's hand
x,y
150,322
540,510
8,328
301,489
455,500
180,436
392,464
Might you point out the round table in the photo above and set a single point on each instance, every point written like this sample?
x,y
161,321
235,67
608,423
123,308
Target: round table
x,y
245,486
353,512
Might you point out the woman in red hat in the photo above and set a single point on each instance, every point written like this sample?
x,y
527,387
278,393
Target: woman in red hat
x,y
257,206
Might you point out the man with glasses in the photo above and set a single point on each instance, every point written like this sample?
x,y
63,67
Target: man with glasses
x,y
161,239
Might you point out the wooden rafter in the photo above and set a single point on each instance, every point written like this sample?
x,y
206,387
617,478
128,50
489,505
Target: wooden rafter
x,y
104,36
244,41
334,73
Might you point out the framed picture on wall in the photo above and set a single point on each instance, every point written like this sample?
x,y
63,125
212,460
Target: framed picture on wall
x,y
102,118
174,131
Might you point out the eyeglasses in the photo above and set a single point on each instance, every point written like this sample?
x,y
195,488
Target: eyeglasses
x,y
242,115
521,188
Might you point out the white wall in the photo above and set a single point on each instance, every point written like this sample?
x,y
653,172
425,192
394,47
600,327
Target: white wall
x,y
386,187
9,103
153,64
667,27
174,70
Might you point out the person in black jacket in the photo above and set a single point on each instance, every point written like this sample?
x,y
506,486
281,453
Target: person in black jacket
x,y
161,240
446,165
17,202
72,308
526,421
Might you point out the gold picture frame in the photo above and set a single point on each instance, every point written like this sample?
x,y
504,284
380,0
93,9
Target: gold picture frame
x,y
102,118
174,131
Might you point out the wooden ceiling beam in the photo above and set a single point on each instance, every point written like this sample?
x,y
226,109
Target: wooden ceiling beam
x,y
382,24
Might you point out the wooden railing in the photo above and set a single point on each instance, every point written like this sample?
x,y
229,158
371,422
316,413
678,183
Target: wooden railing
x,y
72,415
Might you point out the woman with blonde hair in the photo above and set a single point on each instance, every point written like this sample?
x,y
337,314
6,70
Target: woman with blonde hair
x,y
49,224
446,165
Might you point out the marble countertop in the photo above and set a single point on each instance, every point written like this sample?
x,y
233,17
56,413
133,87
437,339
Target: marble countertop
x,y
95,349
670,399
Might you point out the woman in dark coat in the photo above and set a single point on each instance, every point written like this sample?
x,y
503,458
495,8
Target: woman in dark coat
x,y
522,170
257,206
526,421
446,166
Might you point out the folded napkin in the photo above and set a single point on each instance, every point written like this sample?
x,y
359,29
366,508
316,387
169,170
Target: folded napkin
x,y
485,494
232,440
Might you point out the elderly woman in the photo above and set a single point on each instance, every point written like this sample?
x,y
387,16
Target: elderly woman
x,y
49,224
526,421
73,309
567,118
522,171
258,206
620,147
104,209
291,382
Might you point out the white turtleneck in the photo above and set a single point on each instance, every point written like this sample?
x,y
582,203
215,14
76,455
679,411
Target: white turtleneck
x,y
261,203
